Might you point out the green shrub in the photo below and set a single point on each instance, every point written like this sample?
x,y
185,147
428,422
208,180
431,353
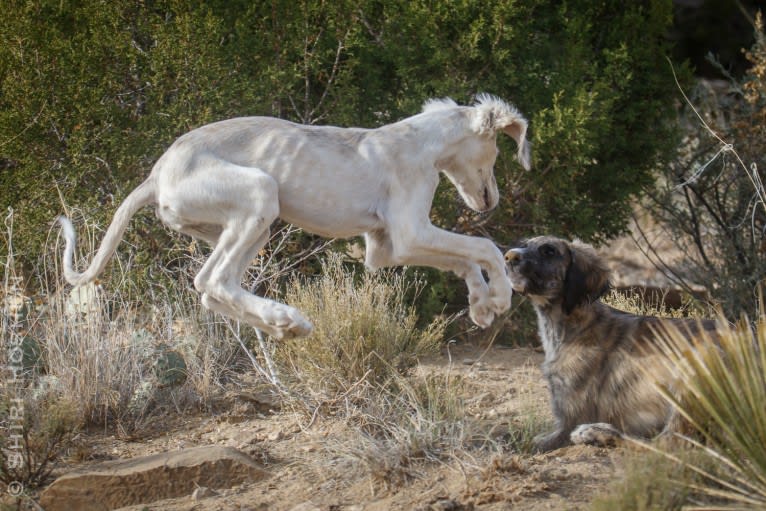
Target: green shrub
x,y
92,93
115,359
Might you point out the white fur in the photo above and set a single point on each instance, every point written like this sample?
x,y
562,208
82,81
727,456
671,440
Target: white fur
x,y
228,181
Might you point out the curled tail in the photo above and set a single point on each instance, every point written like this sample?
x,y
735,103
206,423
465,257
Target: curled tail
x,y
144,194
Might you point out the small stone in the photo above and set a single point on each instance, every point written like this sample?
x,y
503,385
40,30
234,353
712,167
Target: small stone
x,y
306,506
450,505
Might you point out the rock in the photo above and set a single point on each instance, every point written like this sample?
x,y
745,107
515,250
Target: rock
x,y
202,492
450,505
114,484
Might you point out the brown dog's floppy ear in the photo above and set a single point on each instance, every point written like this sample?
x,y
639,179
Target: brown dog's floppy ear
x,y
587,277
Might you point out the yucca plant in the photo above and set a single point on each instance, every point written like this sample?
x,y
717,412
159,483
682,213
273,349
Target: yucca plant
x,y
721,394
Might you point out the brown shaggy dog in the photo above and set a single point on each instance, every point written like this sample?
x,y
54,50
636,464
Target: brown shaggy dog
x,y
597,358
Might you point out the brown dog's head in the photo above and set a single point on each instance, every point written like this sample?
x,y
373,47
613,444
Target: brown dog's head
x,y
553,271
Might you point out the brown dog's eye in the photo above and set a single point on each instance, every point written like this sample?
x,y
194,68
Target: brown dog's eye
x,y
548,250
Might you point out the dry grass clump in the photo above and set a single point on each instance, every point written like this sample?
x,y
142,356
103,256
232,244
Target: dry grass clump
x,y
364,331
650,483
635,304
400,426
116,359
85,357
124,365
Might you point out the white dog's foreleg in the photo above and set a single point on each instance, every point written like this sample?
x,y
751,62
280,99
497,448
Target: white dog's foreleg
x,y
466,256
481,310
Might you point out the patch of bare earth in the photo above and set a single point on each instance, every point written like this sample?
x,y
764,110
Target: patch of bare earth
x,y
502,386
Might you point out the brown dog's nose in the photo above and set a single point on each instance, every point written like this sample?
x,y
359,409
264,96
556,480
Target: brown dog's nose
x,y
513,255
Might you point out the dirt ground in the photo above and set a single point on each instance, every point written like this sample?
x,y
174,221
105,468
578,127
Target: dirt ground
x,y
501,385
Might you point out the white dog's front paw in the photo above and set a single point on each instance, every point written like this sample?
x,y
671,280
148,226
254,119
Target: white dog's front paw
x,y
297,329
297,326
500,295
481,313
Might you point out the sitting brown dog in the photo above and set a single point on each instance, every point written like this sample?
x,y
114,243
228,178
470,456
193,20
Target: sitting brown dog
x,y
597,358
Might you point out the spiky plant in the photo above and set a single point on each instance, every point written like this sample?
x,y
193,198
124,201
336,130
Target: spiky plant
x,y
721,393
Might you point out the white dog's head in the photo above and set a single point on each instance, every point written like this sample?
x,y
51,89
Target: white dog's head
x,y
470,163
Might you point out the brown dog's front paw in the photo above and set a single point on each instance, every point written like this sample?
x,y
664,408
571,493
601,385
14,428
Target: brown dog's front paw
x,y
599,434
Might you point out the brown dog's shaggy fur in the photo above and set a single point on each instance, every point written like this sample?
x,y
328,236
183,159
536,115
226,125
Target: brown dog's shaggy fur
x,y
597,358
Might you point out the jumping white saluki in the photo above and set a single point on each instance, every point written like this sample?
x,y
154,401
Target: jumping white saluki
x,y
227,182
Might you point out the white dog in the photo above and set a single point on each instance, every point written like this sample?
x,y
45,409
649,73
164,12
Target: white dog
x,y
227,182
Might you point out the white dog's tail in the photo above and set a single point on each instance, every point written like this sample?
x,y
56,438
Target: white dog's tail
x,y
144,194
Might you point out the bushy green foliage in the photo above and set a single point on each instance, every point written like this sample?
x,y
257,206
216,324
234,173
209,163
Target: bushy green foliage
x,y
591,76
92,93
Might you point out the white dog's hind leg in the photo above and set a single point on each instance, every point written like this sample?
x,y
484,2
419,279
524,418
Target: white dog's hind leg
x,y
221,290
245,219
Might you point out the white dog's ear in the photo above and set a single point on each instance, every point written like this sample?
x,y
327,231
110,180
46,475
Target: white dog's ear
x,y
517,130
493,115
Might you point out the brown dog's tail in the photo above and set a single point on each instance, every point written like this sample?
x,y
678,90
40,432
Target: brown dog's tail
x,y
144,194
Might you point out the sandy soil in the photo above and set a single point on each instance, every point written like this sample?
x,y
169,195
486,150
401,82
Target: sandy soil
x,y
502,384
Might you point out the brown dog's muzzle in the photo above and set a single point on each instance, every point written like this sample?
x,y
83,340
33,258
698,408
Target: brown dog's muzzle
x,y
514,258
514,255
